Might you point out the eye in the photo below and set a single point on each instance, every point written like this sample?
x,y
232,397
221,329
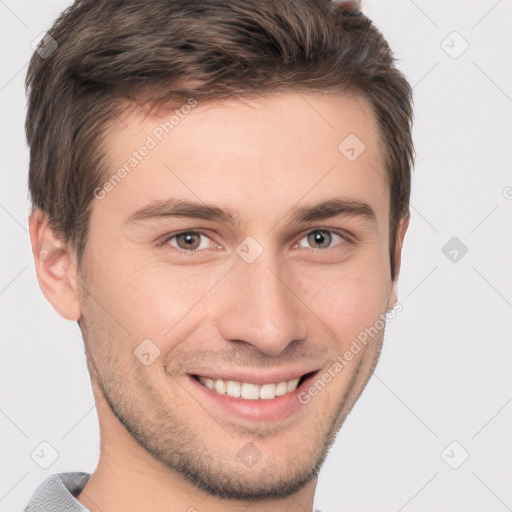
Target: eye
x,y
188,242
322,238
196,242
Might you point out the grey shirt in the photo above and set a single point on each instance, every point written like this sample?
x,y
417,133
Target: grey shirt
x,y
58,494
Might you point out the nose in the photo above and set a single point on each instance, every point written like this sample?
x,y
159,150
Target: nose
x,y
257,304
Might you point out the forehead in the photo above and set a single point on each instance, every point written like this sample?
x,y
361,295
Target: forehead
x,y
255,154
319,119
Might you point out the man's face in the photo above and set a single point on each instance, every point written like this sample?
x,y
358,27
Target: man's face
x,y
263,298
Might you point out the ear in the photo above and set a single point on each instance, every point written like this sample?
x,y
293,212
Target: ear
x,y
56,268
400,235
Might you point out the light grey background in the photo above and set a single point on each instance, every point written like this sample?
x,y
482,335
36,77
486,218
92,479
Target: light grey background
x,y
444,374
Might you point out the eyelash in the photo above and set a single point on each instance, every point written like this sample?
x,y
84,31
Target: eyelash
x,y
345,239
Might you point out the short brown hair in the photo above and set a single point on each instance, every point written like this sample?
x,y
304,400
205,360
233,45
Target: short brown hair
x,y
113,53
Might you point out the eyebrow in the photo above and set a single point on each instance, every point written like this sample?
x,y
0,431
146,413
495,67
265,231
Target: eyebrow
x,y
327,209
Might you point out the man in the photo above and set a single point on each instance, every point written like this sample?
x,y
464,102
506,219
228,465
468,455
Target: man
x,y
220,197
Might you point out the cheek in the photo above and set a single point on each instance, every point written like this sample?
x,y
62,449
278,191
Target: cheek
x,y
348,300
152,299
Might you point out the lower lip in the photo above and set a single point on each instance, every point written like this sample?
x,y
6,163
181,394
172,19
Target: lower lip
x,y
267,410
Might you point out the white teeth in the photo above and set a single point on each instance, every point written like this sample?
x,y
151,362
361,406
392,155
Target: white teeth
x,y
281,389
233,388
220,386
268,391
248,390
291,385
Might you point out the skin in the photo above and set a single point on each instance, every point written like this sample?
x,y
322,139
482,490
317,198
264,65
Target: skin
x,y
167,447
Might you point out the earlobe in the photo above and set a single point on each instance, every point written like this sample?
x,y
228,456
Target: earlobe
x,y
400,235
55,266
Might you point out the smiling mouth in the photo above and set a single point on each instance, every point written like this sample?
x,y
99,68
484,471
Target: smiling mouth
x,y
250,391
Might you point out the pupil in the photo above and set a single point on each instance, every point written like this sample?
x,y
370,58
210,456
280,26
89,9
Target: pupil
x,y
320,237
188,238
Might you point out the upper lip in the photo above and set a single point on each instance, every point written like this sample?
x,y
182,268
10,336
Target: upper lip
x,y
255,376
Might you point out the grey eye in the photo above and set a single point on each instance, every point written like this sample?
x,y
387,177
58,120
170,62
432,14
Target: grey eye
x,y
320,239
